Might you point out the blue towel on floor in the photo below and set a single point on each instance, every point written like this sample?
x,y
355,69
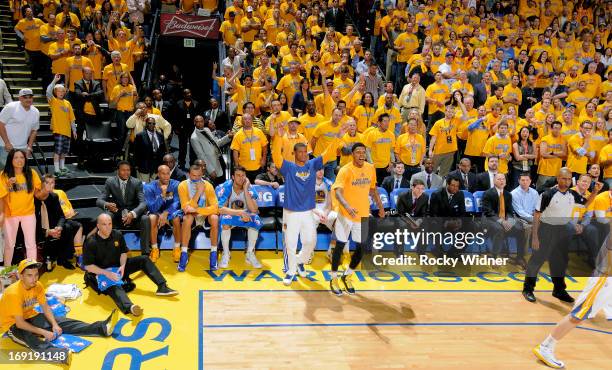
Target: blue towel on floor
x,y
71,342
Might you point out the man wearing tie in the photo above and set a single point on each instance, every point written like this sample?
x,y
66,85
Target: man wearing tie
x,y
397,180
217,115
160,103
88,95
123,198
414,202
498,214
448,205
149,149
486,180
430,179
468,179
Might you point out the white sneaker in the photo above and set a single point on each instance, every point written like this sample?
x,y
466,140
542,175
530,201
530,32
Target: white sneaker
x,y
225,259
310,258
545,355
252,260
288,279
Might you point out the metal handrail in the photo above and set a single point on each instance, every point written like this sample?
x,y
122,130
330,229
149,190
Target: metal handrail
x,y
42,154
147,70
349,14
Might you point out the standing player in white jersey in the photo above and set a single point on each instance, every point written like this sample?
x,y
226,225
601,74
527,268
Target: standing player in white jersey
x,y
596,296
300,180
355,181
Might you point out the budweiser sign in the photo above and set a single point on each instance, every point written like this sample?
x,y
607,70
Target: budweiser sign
x,y
189,26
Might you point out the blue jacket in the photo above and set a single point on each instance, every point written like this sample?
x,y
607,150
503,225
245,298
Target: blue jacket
x,y
157,204
224,192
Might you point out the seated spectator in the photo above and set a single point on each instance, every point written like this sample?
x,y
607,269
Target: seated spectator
x,y
24,325
448,205
467,177
414,202
106,248
430,179
271,177
238,208
396,180
486,180
164,208
59,236
200,208
149,149
499,219
123,198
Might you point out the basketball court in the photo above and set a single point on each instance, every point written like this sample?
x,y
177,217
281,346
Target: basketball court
x,y
241,318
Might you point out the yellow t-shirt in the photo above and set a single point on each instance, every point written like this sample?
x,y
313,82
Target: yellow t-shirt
x,y
125,103
348,140
308,124
19,301
31,32
410,148
59,64
438,92
229,31
410,43
283,118
551,166
111,75
604,155
446,136
364,117
497,145
289,85
395,117
62,116
249,36
17,200
75,69
344,86
325,134
289,143
356,183
47,30
575,162
249,145
380,144
603,205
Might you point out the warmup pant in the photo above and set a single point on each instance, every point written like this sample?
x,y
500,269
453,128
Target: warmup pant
x,y
596,296
554,248
69,326
445,161
133,264
297,224
11,225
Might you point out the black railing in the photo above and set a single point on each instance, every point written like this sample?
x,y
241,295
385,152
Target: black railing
x,y
149,67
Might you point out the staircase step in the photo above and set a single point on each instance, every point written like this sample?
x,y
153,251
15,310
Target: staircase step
x,y
44,136
9,66
22,81
17,73
13,59
49,160
11,53
9,46
37,90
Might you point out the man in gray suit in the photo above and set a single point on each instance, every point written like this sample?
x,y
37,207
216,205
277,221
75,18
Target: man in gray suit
x,y
123,198
208,148
430,179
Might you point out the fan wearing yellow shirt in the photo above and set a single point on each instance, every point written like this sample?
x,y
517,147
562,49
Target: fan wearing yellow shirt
x,y
552,151
62,124
123,98
498,91
500,146
111,74
322,137
389,109
605,160
512,94
380,143
579,97
436,95
310,120
579,150
443,142
245,93
347,141
290,138
344,84
410,149
290,83
351,189
278,116
58,52
364,112
229,29
593,81
75,65
28,29
250,148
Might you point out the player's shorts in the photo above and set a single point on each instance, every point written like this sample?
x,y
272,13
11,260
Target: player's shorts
x,y
236,221
331,218
61,144
345,227
595,296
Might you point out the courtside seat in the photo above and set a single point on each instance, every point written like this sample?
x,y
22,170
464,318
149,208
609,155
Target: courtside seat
x,y
384,197
266,202
394,195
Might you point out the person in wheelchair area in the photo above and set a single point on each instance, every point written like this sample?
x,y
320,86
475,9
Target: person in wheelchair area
x,y
238,208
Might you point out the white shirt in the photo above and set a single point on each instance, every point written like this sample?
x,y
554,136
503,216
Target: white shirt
x,y
492,179
19,123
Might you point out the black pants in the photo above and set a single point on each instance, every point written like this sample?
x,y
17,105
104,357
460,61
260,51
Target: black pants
x,y
183,138
69,326
411,170
251,175
499,235
134,264
37,63
62,249
554,248
355,258
121,118
142,223
85,119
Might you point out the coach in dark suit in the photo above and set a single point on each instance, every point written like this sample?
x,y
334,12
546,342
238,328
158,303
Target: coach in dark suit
x,y
149,150
498,218
123,198
217,115
335,17
468,179
397,180
86,90
184,112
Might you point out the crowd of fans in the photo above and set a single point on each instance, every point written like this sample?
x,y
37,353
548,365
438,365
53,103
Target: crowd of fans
x,y
502,97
